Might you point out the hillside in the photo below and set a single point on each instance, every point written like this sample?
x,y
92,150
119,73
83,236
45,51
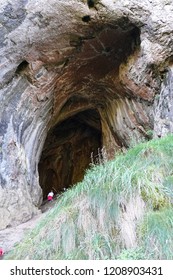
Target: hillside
x,y
121,210
78,76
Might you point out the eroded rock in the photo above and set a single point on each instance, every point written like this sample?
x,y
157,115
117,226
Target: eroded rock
x,y
62,61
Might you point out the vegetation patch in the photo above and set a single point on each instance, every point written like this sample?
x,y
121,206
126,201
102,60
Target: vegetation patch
x,y
121,210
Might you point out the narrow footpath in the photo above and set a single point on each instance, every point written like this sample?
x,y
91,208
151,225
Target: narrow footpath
x,y
12,235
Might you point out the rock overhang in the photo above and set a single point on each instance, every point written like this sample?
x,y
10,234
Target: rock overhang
x,y
68,58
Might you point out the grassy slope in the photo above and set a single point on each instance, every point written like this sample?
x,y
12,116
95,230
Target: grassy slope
x,y
122,209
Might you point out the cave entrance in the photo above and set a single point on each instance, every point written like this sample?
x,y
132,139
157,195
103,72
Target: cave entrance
x,y
67,151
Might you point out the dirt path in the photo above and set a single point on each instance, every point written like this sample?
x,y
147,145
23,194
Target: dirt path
x,y
10,236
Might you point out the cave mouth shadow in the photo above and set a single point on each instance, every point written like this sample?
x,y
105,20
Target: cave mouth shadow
x,y
69,144
67,151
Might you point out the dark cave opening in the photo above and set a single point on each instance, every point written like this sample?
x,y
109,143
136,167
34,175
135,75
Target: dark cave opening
x,y
67,151
22,66
93,76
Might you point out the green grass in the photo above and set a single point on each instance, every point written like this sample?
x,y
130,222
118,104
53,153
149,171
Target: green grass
x,y
121,210
156,234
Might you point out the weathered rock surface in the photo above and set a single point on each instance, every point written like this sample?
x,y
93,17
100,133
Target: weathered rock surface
x,y
77,76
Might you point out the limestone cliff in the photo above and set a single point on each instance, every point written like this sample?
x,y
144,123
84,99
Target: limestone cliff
x,y
77,76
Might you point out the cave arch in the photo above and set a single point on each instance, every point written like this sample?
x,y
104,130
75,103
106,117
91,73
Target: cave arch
x,y
68,149
111,57
95,82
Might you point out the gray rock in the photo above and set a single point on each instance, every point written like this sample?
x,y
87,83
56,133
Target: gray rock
x,y
60,58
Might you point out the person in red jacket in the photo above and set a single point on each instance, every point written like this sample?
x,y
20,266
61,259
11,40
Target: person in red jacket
x,y
50,196
1,253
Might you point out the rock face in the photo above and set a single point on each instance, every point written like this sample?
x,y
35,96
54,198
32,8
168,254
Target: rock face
x,y
77,76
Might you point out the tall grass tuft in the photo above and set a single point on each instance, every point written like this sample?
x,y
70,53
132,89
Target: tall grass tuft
x,y
156,234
